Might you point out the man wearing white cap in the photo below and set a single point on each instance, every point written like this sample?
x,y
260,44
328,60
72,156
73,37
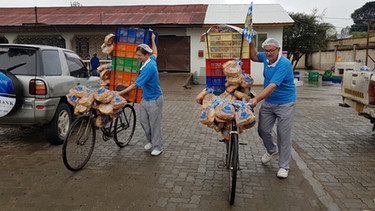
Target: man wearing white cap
x,y
151,106
279,95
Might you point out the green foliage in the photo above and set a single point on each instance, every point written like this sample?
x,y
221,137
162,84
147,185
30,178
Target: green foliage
x,y
362,16
306,36
361,34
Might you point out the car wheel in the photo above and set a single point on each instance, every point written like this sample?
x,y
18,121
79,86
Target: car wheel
x,y
11,93
57,129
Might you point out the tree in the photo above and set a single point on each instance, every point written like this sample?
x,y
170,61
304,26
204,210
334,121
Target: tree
x,y
306,36
362,16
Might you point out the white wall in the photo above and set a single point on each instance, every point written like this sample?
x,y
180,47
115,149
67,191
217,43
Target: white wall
x,y
197,64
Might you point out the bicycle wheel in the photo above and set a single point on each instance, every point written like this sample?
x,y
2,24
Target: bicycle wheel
x,y
79,143
233,166
125,126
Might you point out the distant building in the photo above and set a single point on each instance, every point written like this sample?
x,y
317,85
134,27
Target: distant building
x,y
82,29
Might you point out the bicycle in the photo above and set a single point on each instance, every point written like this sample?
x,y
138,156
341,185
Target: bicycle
x,y
232,156
81,137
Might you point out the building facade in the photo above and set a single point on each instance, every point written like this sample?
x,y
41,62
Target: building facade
x,y
179,29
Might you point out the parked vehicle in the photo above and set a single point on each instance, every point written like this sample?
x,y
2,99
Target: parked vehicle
x,y
34,81
358,92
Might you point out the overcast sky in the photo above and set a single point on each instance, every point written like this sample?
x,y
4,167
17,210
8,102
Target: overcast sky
x,y
336,12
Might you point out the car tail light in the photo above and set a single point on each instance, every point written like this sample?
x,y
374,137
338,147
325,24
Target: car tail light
x,y
371,92
37,87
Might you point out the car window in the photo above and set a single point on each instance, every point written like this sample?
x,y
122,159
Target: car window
x,y
18,60
51,62
76,67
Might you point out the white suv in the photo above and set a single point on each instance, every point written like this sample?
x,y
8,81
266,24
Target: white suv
x,y
34,81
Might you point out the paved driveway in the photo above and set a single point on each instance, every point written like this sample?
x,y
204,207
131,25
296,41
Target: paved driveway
x,y
333,164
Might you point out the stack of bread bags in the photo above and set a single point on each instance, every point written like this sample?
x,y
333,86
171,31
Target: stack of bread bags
x,y
107,104
217,112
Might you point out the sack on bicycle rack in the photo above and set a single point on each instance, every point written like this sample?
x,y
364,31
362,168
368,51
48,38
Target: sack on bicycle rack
x,y
225,133
87,100
244,116
103,95
207,116
106,108
241,95
247,81
231,68
118,102
78,91
201,96
80,109
102,120
225,111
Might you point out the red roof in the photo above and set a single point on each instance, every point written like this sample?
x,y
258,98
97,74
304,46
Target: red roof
x,y
108,15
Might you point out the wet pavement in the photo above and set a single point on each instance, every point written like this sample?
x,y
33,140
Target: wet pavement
x,y
333,166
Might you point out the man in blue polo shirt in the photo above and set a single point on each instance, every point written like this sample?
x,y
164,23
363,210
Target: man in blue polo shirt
x,y
279,95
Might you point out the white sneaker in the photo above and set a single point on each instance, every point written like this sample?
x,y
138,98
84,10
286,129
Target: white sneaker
x,y
282,173
266,158
156,152
148,146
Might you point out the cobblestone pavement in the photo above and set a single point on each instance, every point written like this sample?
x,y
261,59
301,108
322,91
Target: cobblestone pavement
x,y
333,165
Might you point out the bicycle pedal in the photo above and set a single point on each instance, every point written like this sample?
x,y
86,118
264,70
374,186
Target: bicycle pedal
x,y
106,138
221,165
223,140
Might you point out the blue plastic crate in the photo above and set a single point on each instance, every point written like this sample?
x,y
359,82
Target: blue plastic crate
x,y
121,35
148,34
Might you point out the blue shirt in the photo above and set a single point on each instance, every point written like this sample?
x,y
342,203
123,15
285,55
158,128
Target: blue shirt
x,y
94,63
148,80
280,73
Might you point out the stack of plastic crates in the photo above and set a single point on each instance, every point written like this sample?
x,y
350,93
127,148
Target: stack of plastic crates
x,y
125,65
224,43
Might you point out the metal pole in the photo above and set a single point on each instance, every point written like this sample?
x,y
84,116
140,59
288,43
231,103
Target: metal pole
x,y
368,38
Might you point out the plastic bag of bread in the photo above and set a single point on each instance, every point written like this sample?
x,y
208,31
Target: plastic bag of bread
x,y
107,66
208,98
234,80
244,116
108,45
106,108
207,116
229,97
102,95
232,68
105,75
102,120
231,87
250,125
87,100
78,91
225,111
80,109
118,102
225,133
247,80
201,95
72,99
241,95
116,113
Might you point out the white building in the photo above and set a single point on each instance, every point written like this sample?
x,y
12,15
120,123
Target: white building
x,y
179,27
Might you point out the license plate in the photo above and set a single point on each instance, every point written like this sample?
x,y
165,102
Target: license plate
x,y
359,107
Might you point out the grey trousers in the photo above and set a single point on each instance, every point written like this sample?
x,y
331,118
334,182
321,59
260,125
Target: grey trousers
x,y
150,115
284,114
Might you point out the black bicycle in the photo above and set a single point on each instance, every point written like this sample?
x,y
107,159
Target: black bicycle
x,y
232,156
80,140
232,160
